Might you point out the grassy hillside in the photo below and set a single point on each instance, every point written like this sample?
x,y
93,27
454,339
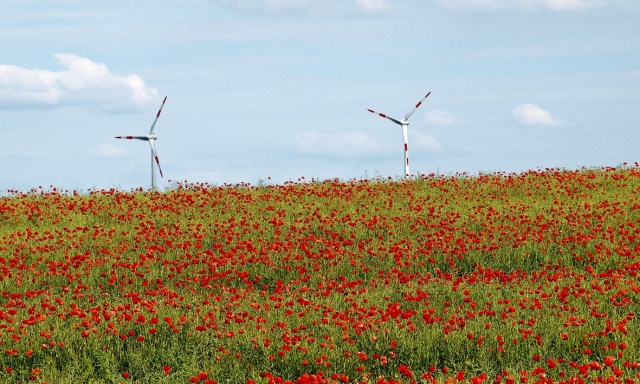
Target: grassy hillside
x,y
497,277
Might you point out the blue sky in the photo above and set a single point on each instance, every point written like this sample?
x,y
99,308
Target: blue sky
x,y
281,88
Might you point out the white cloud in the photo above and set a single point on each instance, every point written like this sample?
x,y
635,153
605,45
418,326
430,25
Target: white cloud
x,y
108,150
314,7
554,5
84,82
531,114
436,116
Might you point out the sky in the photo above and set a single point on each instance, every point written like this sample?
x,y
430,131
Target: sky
x,y
275,90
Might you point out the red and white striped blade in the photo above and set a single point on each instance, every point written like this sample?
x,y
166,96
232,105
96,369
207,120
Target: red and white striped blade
x,y
416,107
133,137
157,116
155,155
385,116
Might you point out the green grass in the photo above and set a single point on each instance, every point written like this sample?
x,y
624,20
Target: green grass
x,y
324,269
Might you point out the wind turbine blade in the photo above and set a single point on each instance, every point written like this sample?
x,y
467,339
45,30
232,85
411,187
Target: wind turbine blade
x,y
417,105
133,137
155,155
158,115
385,116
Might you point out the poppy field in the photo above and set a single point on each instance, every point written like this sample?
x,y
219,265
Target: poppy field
x,y
496,278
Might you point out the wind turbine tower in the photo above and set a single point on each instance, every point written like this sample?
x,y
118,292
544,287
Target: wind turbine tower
x,y
404,123
151,138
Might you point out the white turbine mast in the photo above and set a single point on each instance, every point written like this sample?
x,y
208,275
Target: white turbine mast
x,y
404,123
151,138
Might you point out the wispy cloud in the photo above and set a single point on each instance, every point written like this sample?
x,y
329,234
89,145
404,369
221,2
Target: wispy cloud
x,y
83,82
569,5
314,7
554,5
438,117
358,144
419,141
108,150
343,144
372,5
531,114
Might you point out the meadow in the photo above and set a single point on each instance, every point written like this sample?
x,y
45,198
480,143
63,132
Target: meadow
x,y
495,278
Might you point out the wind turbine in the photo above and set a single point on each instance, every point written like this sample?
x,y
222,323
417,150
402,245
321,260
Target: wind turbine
x,y
150,138
404,123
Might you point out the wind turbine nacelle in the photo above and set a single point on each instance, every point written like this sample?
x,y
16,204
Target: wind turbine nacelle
x,y
404,122
152,137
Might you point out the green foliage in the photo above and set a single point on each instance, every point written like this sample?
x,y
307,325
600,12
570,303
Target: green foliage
x,y
490,274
